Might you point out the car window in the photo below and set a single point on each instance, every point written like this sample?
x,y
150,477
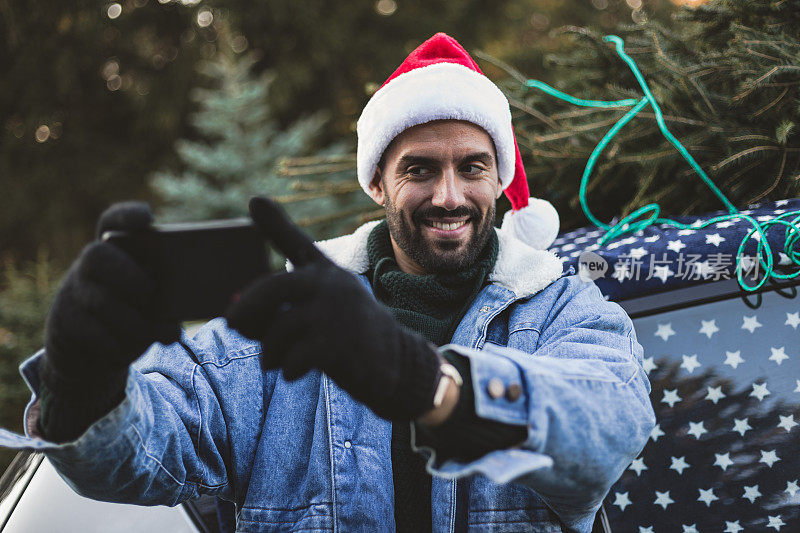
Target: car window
x,y
725,382
48,504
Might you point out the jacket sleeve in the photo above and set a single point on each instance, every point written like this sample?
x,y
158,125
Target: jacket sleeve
x,y
584,399
165,443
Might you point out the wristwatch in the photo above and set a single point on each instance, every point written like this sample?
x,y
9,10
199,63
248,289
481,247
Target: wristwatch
x,y
446,372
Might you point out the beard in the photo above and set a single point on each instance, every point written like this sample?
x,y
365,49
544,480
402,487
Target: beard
x,y
440,256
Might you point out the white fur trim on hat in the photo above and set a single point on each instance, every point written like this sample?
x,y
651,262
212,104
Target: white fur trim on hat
x,y
443,91
535,224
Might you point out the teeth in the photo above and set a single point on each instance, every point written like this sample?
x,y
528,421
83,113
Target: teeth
x,y
448,227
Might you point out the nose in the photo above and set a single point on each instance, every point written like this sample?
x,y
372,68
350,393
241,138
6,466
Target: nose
x,y
448,191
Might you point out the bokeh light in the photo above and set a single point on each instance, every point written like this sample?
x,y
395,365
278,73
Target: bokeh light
x,y
42,133
114,10
205,18
114,82
600,4
385,7
239,44
634,4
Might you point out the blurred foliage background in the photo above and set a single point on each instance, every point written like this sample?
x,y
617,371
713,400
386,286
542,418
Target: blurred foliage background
x,y
195,105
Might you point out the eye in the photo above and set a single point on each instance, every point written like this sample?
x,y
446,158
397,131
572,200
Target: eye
x,y
473,168
419,171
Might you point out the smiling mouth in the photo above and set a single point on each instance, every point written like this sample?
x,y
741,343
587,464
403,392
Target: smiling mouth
x,y
447,226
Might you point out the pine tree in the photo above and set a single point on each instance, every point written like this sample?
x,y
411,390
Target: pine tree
x,y
240,154
726,76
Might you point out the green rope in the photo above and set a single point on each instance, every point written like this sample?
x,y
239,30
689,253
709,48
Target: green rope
x,y
632,223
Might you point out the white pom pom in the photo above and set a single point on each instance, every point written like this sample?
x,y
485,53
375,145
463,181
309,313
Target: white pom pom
x,y
535,224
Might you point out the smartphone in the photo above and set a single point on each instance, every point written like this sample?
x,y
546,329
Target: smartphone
x,y
199,268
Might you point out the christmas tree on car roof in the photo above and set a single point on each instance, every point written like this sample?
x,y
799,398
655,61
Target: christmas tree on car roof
x,y
725,75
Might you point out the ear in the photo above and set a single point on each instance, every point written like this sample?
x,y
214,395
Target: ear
x,y
375,189
499,190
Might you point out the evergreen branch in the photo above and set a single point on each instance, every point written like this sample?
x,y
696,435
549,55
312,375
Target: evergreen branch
x,y
314,170
332,217
531,111
576,129
332,188
741,138
771,104
774,183
318,159
759,54
743,153
502,65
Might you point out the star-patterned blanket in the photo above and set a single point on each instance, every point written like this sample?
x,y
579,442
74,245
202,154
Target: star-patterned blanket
x,y
725,375
662,257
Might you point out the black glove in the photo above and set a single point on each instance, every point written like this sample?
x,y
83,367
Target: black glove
x,y
100,322
321,316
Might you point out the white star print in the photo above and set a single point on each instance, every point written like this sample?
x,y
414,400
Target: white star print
x,y
769,458
778,355
697,429
671,397
662,272
751,493
663,499
637,466
787,422
791,487
685,232
709,327
689,362
776,522
732,527
715,238
741,426
648,529
689,529
707,496
622,500
676,246
725,223
751,323
793,319
637,253
679,464
698,222
723,460
656,433
784,259
652,238
715,394
648,365
797,388
733,358
781,203
760,391
665,331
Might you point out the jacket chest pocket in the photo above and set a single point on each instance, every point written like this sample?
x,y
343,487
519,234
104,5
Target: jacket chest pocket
x,y
524,336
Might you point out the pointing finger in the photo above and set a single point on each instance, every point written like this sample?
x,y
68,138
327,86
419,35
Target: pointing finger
x,y
276,226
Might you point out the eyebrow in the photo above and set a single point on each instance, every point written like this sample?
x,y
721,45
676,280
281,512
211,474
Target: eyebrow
x,y
409,160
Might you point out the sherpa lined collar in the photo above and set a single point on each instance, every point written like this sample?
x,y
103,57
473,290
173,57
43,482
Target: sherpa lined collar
x,y
519,268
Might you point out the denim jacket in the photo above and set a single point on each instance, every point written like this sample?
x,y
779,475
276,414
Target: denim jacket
x,y
201,417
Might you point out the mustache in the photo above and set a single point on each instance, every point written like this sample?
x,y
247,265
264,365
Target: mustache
x,y
434,212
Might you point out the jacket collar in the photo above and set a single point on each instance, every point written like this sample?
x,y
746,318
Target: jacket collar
x,y
519,268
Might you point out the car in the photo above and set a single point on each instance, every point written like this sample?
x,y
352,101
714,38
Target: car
x,y
724,366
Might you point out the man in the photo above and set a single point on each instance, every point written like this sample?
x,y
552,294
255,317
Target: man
x,y
327,399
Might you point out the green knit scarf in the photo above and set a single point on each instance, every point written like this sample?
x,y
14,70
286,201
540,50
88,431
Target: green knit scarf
x,y
432,304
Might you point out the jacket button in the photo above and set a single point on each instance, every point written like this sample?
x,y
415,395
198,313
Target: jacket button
x,y
347,444
495,388
513,392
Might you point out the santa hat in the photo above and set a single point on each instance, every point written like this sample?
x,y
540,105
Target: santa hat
x,y
440,81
